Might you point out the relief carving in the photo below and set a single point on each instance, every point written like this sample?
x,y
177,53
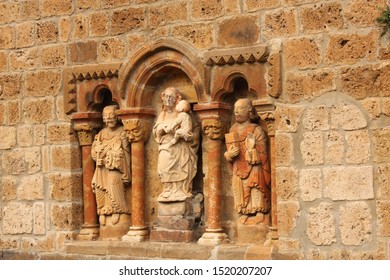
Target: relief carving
x,y
85,133
214,129
136,130
111,152
247,152
177,134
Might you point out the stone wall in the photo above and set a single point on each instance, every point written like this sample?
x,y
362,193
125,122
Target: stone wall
x,y
331,120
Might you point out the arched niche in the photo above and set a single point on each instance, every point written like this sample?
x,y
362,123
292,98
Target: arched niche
x,y
143,73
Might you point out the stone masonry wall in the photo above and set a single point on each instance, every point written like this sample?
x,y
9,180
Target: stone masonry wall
x,y
332,118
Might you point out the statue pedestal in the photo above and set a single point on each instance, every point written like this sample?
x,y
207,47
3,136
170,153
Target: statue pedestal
x,y
252,233
175,222
113,229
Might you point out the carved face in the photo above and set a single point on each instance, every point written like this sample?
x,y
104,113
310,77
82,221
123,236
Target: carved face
x,y
133,130
109,117
169,98
213,128
242,109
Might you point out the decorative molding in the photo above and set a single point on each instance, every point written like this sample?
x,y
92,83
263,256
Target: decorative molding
x,y
274,75
236,56
137,123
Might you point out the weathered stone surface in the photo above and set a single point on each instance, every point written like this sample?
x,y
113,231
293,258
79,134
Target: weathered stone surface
x,y
25,35
9,243
373,107
358,146
302,53
355,223
383,213
43,83
312,148
29,9
287,118
288,213
25,135
39,218
10,86
64,28
31,187
25,59
83,52
280,23
46,32
4,61
98,23
39,134
347,117
7,40
128,19
206,9
38,110
81,27
287,183
65,157
357,16
284,149
14,114
310,184
111,50
239,31
348,182
66,216
60,133
334,147
42,244
382,181
54,56
33,159
65,187
13,162
17,218
322,17
381,140
321,228
8,187
168,14
199,35
56,8
253,5
8,135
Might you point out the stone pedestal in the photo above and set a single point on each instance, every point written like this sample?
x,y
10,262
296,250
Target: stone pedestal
x,y
175,222
249,234
110,230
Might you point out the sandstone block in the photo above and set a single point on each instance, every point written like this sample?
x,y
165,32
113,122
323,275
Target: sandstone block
x,y
355,15
321,227
83,52
232,7
254,5
46,32
206,9
299,87
24,35
385,106
239,31
38,110
9,243
7,40
39,134
4,61
347,117
310,184
31,187
118,3
167,14
98,24
43,244
287,118
64,29
383,213
17,218
355,223
312,148
65,157
302,53
111,50
81,27
13,162
8,187
288,213
66,187
348,183
373,107
14,114
56,8
334,147
29,9
11,11
350,48
381,140
322,17
280,23
25,59
358,146
33,160
199,35
25,135
128,19
53,56
8,137
39,218
287,183
317,118
83,5
289,244
382,181
3,117
10,86
284,149
61,133
66,216
43,83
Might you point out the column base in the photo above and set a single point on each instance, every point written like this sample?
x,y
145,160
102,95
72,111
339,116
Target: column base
x,y
136,234
211,238
88,232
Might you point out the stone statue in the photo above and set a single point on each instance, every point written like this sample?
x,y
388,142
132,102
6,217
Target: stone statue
x,y
247,151
177,134
111,152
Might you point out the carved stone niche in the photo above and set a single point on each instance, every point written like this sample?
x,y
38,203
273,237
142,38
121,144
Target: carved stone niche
x,y
255,73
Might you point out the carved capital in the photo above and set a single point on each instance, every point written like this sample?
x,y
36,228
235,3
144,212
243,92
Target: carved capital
x,y
137,130
86,125
215,129
269,118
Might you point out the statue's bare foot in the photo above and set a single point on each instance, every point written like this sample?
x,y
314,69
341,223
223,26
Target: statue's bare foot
x,y
102,220
115,218
243,219
259,218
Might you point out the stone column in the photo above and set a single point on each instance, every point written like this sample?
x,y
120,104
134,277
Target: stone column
x,y
137,123
86,126
266,113
214,119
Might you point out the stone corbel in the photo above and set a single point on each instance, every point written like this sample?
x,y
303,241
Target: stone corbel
x,y
137,123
